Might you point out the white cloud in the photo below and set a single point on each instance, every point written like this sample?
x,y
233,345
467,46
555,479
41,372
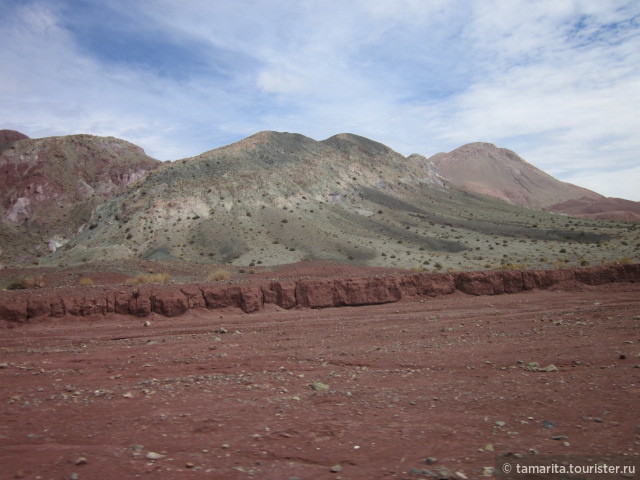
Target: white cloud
x,y
619,183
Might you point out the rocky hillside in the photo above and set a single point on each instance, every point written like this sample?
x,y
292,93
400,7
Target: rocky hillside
x,y
617,209
276,198
50,186
501,173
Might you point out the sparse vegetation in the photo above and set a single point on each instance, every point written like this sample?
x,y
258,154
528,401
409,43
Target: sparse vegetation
x,y
152,278
219,276
26,283
86,282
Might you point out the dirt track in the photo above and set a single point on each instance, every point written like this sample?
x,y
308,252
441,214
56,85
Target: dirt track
x,y
407,381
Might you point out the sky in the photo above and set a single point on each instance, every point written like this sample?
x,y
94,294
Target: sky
x,y
557,81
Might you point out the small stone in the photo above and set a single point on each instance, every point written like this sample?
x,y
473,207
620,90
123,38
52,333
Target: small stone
x,y
461,475
598,420
221,330
430,460
623,357
500,423
319,386
81,461
154,456
74,476
443,473
549,368
137,448
336,468
559,437
487,471
532,366
127,395
548,424
189,465
225,446
4,365
533,451
146,323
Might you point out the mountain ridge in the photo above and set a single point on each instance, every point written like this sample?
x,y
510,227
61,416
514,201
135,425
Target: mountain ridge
x,y
275,198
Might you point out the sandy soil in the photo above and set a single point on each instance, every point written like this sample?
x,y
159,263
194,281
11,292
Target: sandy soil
x,y
223,395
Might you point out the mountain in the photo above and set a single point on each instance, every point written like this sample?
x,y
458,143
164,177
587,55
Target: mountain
x,y
9,136
501,173
276,198
271,199
50,186
617,209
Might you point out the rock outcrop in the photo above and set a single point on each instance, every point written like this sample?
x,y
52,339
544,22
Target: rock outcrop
x,y
174,300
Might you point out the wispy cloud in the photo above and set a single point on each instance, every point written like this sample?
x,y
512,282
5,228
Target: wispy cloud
x,y
558,81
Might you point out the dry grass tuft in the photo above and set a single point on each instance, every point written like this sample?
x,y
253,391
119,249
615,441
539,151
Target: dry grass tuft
x,y
86,282
26,283
624,261
152,278
219,276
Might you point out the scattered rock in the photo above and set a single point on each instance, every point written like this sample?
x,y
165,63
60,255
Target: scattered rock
x,y
336,468
319,386
81,461
532,366
488,471
500,423
146,323
154,456
189,465
598,420
548,424
443,473
430,460
549,368
74,476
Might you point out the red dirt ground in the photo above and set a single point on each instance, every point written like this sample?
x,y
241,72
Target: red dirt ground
x,y
421,378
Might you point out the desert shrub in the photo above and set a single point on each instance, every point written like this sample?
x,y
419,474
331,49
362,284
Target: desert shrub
x,y
152,278
624,261
26,283
219,276
86,282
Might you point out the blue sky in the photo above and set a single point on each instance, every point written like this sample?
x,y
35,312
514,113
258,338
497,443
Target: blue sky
x,y
557,81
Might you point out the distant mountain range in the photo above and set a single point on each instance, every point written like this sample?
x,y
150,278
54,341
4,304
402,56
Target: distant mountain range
x,y
276,198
